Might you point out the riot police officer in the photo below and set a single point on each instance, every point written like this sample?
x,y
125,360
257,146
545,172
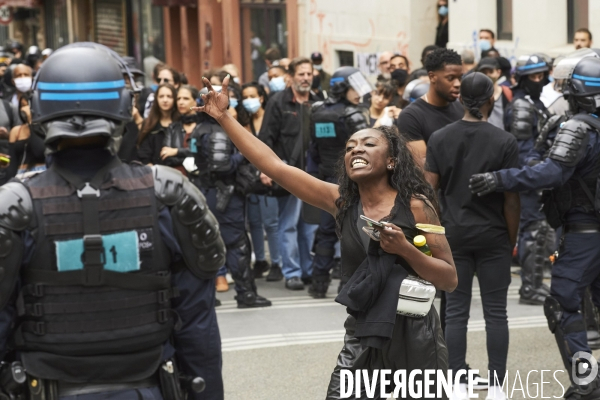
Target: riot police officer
x,y
333,121
536,238
572,169
112,260
218,161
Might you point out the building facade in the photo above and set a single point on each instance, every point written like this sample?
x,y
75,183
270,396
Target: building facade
x,y
196,36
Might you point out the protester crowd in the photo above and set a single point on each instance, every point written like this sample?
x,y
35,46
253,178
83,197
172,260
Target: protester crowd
x,y
451,140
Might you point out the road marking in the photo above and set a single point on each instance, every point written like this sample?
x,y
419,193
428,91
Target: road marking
x,y
304,338
279,303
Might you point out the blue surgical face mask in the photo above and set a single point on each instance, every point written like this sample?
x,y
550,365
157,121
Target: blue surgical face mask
x,y
551,78
443,11
277,84
484,45
252,105
233,102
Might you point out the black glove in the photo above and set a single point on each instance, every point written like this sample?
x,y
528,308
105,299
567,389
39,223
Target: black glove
x,y
482,184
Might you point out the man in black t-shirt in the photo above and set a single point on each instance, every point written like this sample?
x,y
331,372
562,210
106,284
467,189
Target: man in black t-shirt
x,y
481,233
438,107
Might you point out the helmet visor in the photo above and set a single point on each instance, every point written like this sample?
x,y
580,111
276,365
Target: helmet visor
x,y
359,83
564,68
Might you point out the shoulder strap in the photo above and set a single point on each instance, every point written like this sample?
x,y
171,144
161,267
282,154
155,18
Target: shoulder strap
x,y
9,113
507,93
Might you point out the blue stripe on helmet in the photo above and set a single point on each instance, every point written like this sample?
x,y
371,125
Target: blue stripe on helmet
x,y
79,96
333,81
586,78
82,85
592,84
538,65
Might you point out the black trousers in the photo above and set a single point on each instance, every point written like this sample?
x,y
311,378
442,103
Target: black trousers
x,y
489,258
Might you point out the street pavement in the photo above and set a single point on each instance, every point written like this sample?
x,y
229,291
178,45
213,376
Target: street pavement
x,y
288,350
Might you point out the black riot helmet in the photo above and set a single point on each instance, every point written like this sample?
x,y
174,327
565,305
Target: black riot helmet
x,y
33,56
345,78
82,80
584,85
532,64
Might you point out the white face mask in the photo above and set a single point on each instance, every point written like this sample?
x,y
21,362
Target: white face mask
x,y
23,84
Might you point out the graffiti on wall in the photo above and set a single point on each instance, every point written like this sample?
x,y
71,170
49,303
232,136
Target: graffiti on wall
x,y
364,49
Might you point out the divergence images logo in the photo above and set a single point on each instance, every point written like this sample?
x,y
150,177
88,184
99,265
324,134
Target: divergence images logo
x,y
584,368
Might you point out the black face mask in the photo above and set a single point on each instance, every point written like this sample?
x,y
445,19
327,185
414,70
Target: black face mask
x,y
400,76
534,89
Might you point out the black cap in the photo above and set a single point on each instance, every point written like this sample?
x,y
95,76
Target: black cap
x,y
488,63
400,76
476,87
316,56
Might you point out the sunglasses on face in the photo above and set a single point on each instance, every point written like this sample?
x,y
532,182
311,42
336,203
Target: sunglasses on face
x,y
163,80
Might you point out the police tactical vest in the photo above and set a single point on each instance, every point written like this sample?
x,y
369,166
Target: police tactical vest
x,y
208,179
329,132
579,192
95,300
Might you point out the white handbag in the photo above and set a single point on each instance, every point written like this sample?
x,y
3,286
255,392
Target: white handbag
x,y
415,297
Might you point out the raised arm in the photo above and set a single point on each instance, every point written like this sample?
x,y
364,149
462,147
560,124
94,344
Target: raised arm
x,y
302,185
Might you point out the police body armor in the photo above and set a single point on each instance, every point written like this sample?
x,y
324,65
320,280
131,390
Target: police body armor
x,y
331,126
579,191
89,298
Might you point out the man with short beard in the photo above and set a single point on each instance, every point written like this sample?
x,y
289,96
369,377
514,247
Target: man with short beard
x,y
282,131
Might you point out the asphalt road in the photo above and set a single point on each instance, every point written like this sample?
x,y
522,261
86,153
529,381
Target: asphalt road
x,y
288,350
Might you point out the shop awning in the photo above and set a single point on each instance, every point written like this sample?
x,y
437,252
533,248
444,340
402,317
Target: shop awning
x,y
21,3
175,3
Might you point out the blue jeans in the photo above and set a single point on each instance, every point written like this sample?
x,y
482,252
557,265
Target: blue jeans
x,y
296,238
263,212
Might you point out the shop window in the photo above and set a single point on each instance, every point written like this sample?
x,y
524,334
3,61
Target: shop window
x,y
505,19
264,27
577,17
57,25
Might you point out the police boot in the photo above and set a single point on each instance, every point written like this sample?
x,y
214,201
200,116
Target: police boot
x,y
319,285
590,391
250,299
247,297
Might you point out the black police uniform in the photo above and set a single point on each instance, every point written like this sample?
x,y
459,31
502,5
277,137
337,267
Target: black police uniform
x,y
103,263
536,239
218,161
332,123
572,169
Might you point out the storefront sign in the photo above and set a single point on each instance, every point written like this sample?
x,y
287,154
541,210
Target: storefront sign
x,y
6,15
20,3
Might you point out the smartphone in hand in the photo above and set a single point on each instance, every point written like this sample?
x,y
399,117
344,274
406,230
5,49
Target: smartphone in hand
x,y
372,222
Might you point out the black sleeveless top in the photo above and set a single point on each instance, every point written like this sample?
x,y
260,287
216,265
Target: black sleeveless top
x,y
352,245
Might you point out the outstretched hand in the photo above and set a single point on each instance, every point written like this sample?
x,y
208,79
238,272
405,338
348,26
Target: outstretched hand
x,y
215,104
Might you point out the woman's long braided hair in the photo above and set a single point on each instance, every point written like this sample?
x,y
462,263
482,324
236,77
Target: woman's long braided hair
x,y
406,177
